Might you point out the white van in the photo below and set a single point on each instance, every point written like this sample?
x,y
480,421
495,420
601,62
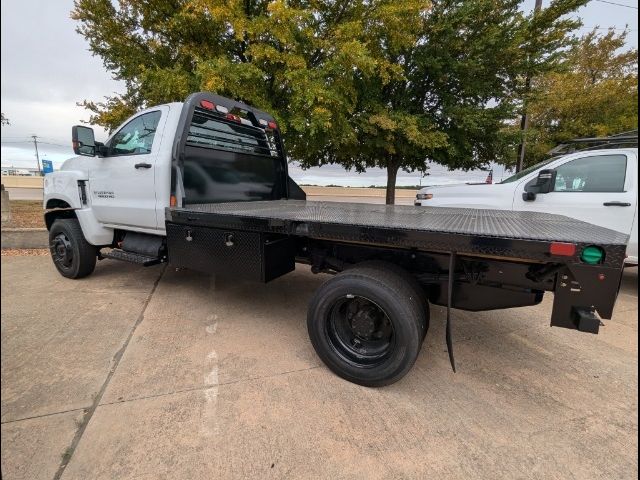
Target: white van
x,y
597,186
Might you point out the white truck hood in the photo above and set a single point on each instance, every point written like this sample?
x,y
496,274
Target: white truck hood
x,y
485,195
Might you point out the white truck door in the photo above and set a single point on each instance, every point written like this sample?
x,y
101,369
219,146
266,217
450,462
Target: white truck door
x,y
121,184
598,188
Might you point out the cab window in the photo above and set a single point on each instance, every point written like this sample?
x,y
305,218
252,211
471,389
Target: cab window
x,y
136,137
602,173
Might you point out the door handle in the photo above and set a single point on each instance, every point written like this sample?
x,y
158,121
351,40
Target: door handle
x,y
142,165
616,204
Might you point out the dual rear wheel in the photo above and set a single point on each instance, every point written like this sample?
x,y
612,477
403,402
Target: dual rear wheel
x,y
367,323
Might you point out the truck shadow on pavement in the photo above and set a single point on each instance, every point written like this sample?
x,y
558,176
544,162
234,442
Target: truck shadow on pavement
x,y
493,341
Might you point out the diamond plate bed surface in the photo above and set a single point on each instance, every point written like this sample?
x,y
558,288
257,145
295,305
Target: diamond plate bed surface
x,y
464,221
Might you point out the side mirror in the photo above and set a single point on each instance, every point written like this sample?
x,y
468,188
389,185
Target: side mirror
x,y
545,183
84,142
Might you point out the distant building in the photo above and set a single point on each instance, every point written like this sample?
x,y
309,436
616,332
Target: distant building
x,y
22,172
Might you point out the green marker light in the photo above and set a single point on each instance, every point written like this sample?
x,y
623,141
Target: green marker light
x,y
592,255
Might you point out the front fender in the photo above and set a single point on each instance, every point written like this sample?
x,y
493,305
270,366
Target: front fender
x,y
63,185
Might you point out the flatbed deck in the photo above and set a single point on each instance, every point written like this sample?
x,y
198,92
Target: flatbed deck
x,y
501,233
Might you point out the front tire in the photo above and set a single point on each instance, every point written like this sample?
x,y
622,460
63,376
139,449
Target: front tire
x,y
72,255
367,324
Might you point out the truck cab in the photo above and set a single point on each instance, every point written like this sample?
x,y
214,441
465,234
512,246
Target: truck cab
x,y
597,186
126,183
123,183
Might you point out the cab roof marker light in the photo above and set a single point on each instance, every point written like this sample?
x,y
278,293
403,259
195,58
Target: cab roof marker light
x,y
562,249
207,104
245,121
272,125
264,123
235,118
222,109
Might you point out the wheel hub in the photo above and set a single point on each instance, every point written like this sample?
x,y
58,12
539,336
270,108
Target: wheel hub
x,y
360,331
365,322
62,251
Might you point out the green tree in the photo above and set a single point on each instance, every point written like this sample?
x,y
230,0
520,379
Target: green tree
x,y
595,94
360,83
460,79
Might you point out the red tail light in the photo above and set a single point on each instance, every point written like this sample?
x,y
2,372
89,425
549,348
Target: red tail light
x,y
563,249
207,104
233,117
272,125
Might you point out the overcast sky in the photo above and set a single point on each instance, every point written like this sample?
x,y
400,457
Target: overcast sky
x,y
47,68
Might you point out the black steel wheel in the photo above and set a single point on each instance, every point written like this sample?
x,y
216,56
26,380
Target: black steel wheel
x,y
62,251
360,331
72,255
366,324
417,289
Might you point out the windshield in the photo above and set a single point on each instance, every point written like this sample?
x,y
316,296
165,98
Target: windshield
x,y
527,171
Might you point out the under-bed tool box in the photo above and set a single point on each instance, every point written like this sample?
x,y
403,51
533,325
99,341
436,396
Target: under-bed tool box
x,y
252,256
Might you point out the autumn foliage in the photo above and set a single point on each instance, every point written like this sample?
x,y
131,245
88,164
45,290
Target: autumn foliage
x,y
388,83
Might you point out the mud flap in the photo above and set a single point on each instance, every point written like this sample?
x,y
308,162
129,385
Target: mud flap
x,y
452,270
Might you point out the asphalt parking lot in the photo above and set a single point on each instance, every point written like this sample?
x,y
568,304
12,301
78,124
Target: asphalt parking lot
x,y
156,373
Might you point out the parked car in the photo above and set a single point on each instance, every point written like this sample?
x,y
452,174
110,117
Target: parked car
x,y
596,186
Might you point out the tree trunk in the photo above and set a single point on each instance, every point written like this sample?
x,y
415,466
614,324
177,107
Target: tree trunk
x,y
392,174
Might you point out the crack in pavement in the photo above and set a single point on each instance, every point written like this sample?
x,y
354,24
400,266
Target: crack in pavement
x,y
205,387
96,402
44,415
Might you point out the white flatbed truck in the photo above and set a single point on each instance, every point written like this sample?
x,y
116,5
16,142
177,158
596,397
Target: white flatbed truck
x,y
204,185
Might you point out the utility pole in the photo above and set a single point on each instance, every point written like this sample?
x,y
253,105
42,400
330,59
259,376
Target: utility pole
x,y
524,123
35,143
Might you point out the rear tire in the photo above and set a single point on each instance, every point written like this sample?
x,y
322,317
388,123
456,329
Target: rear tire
x,y
72,255
367,324
378,267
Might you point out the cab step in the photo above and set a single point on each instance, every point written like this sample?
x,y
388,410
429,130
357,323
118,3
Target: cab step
x,y
132,257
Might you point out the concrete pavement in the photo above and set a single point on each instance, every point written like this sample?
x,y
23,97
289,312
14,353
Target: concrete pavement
x,y
154,373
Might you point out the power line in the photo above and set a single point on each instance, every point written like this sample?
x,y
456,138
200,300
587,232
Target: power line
x,y
29,141
55,144
617,4
51,139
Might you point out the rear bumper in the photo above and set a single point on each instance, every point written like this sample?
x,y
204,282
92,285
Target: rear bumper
x,y
582,290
